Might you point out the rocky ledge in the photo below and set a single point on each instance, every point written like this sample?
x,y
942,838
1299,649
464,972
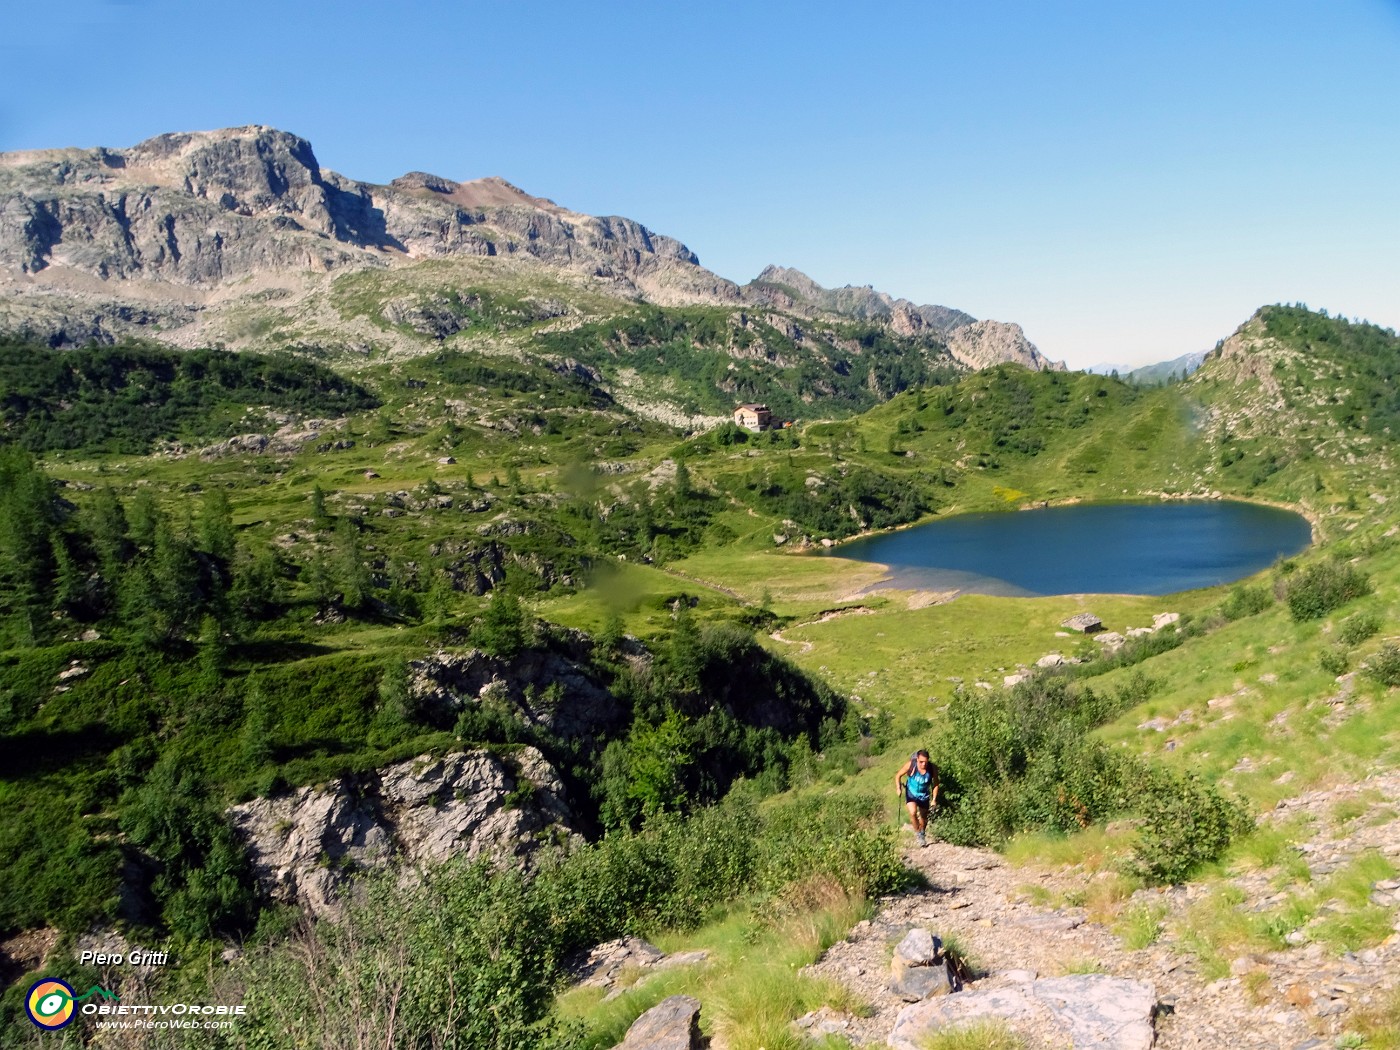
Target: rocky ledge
x,y
305,846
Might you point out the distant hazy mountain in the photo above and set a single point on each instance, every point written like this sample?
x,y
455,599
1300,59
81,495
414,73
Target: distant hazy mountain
x,y
1147,375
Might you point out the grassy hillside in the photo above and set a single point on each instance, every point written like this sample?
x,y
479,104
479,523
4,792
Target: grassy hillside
x,y
242,620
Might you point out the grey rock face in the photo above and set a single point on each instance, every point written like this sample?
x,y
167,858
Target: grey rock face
x,y
305,846
786,288
985,343
208,208
977,344
547,688
600,966
672,1024
184,231
1085,1011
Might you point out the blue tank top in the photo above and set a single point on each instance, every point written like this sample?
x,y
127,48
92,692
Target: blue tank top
x,y
917,785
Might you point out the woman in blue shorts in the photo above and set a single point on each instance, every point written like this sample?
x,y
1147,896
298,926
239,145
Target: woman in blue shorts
x,y
917,784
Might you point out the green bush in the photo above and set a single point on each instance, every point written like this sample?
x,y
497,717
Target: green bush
x,y
1384,666
1357,627
1334,660
1185,824
1318,589
1246,601
1020,760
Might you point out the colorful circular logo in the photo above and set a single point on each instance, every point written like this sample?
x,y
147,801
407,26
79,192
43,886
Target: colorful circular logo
x,y
50,1003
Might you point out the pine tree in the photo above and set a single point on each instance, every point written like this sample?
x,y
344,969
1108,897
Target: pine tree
x,y
26,549
139,600
216,528
683,650
320,580
213,654
257,585
501,629
255,739
319,517
352,577
105,523
143,518
70,582
179,598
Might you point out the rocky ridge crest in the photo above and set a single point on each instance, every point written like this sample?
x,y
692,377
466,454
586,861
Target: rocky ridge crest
x,y
976,344
190,236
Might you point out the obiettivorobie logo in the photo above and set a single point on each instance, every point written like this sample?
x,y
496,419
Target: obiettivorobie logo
x,y
52,1004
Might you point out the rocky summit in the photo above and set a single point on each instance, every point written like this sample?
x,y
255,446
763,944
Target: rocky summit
x,y
228,237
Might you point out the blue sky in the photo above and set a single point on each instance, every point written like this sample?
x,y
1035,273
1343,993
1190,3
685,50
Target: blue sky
x,y
1127,181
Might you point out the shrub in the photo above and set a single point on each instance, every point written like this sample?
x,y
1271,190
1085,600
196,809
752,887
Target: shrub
x,y
1185,824
1246,601
1334,660
1384,666
1358,627
1319,589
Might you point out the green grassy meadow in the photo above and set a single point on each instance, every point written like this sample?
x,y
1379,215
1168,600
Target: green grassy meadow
x,y
250,615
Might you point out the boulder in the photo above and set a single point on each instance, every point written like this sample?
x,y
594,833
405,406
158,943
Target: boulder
x,y
1085,622
919,968
1083,1011
672,1024
1050,660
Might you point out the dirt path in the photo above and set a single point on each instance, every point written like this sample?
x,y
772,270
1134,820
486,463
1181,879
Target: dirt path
x,y
1303,997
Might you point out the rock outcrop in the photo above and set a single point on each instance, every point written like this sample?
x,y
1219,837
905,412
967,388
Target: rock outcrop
x,y
986,343
672,1024
603,965
790,289
550,688
1083,1011
216,236
920,969
306,845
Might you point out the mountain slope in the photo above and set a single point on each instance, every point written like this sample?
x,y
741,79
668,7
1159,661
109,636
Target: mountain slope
x,y
239,238
191,213
974,343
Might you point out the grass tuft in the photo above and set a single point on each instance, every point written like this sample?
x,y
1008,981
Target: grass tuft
x,y
983,1035
1140,925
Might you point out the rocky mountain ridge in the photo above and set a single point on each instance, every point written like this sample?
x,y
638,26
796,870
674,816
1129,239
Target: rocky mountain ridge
x,y
976,344
184,236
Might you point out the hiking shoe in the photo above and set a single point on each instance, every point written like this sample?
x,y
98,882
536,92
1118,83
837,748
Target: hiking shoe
x,y
922,841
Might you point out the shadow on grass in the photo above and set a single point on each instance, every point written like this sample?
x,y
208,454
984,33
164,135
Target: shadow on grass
x,y
277,650
36,751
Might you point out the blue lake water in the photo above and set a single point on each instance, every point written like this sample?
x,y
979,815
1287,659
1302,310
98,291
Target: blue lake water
x,y
1104,548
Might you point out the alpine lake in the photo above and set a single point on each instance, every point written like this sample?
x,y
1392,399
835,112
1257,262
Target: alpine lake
x,y
1102,548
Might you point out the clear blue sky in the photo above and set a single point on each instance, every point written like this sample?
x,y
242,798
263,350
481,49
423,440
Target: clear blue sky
x,y
1127,181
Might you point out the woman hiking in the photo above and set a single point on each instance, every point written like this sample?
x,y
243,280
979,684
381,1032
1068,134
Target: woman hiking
x,y
917,783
